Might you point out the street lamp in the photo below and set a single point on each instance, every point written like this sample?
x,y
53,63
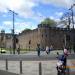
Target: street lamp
x,y
13,31
73,36
66,17
72,14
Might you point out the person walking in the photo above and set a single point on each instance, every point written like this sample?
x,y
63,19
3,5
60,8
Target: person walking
x,y
38,49
47,49
65,56
50,49
65,51
18,50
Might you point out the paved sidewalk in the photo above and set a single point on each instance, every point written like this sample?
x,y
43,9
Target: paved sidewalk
x,y
6,73
32,67
72,67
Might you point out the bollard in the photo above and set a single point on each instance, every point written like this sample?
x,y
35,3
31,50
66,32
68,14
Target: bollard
x,y
40,68
20,66
6,64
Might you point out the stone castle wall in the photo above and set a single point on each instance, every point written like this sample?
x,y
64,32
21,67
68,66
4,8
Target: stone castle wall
x,y
29,39
43,35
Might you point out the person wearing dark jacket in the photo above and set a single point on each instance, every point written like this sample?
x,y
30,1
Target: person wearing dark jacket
x,y
38,49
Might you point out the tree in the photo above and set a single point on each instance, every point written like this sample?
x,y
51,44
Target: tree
x,y
49,22
26,30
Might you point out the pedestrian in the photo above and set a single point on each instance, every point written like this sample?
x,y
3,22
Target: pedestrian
x,y
38,49
18,50
65,51
10,50
51,47
74,48
62,58
65,56
47,49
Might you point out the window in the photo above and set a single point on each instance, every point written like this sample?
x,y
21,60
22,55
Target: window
x,y
29,42
42,35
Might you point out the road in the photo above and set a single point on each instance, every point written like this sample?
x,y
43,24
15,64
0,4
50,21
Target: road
x,y
32,57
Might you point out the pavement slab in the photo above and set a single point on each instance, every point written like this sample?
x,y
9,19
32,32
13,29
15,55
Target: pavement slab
x,y
6,73
72,67
31,67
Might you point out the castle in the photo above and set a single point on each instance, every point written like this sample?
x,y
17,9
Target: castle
x,y
43,35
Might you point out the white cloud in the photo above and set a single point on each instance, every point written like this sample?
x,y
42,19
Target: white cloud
x,y
38,17
65,3
55,19
7,23
59,14
19,26
17,4
22,25
51,17
23,7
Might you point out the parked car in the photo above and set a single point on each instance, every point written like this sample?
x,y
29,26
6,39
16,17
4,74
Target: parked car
x,y
2,51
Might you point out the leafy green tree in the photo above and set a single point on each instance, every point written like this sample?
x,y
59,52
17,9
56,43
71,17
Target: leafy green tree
x,y
26,30
49,22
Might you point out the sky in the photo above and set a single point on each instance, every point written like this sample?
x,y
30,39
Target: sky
x,y
30,12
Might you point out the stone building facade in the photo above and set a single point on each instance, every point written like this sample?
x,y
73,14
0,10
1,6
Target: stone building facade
x,y
43,35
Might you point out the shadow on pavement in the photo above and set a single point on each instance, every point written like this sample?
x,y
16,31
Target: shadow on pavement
x,y
6,73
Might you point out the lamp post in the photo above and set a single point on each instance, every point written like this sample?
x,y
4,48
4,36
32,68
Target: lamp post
x,y
66,16
73,35
13,31
72,14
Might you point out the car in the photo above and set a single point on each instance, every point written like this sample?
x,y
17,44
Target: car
x,y
2,51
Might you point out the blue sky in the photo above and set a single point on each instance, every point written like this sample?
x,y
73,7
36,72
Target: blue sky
x,y
31,12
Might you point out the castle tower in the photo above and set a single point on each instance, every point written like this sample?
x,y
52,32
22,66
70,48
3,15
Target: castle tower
x,y
44,35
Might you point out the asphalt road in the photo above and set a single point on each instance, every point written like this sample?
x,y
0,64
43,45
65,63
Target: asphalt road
x,y
32,57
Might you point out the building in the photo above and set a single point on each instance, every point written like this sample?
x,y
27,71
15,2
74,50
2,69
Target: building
x,y
43,35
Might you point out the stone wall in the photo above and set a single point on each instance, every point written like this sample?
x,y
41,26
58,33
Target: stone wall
x,y
29,39
52,36
43,35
